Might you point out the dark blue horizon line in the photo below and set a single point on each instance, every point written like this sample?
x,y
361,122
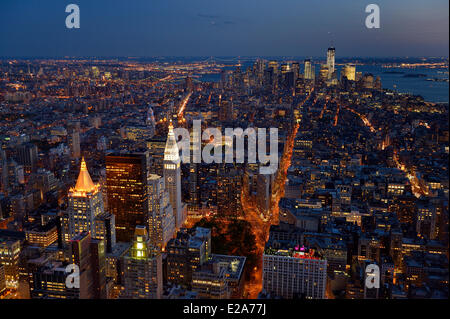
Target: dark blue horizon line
x,y
236,57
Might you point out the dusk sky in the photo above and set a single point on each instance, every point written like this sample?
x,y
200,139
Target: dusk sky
x,y
223,28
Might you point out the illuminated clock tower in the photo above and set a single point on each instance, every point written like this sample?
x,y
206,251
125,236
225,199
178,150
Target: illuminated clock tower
x,y
172,176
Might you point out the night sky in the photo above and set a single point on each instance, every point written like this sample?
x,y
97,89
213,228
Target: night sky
x,y
223,28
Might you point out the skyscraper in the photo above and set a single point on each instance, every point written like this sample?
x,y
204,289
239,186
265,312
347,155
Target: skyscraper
x,y
9,257
4,184
349,72
161,219
426,221
229,187
296,70
89,255
331,53
194,187
2,278
324,72
126,183
185,253
105,228
142,269
172,176
309,70
85,204
73,139
27,156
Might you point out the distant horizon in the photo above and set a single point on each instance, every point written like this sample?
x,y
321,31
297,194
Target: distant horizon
x,y
220,56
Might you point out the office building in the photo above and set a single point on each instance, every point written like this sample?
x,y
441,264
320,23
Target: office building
x,y
85,204
349,72
9,258
142,269
331,54
2,279
172,177
89,255
73,139
229,189
27,156
126,183
210,281
293,272
309,72
185,253
161,221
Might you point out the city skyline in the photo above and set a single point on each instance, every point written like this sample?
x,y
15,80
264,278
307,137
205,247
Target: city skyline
x,y
296,170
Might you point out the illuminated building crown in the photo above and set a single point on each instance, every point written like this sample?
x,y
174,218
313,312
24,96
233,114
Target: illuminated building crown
x,y
171,152
84,181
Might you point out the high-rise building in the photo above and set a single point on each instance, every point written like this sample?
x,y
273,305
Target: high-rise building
x,y
85,204
9,258
426,221
309,73
172,177
126,183
324,72
48,277
291,272
73,139
156,146
105,228
194,187
89,255
161,221
349,72
139,133
274,66
12,177
115,264
226,110
367,81
369,293
229,187
210,281
188,83
48,280
296,70
331,53
45,181
185,253
2,278
42,235
4,184
234,266
98,268
27,156
142,269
